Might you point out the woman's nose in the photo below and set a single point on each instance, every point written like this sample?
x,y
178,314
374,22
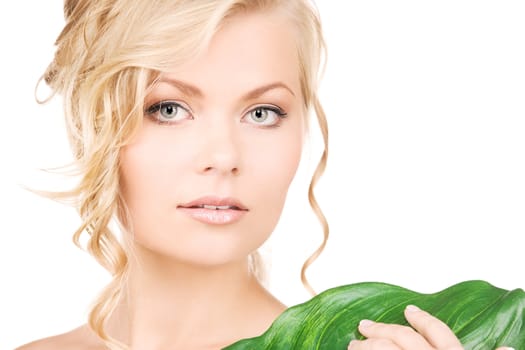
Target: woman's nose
x,y
219,150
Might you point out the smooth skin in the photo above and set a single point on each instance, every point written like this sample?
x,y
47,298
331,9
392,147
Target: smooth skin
x,y
428,333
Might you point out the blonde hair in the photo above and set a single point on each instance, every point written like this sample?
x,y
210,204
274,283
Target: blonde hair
x,y
108,55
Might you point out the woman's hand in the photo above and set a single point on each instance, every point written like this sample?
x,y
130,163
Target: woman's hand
x,y
428,333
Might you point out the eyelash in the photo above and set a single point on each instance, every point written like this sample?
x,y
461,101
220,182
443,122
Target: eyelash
x,y
152,112
279,112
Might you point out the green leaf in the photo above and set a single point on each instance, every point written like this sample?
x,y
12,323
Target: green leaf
x,y
481,315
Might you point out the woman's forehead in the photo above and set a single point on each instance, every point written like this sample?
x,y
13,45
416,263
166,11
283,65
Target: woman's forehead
x,y
250,50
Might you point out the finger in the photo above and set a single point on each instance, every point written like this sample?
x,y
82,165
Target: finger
x,y
372,344
402,336
505,348
436,332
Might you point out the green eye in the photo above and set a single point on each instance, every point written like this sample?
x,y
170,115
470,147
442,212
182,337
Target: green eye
x,y
259,114
266,115
168,112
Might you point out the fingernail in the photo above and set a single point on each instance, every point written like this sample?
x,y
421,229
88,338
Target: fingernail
x,y
365,323
412,308
507,348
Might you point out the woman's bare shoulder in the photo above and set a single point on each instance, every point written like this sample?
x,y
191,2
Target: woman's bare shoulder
x,y
80,338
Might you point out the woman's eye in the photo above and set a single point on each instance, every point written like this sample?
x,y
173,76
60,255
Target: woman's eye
x,y
266,116
167,112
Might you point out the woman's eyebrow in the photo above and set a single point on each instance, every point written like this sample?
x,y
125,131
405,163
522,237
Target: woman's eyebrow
x,y
191,90
184,87
261,90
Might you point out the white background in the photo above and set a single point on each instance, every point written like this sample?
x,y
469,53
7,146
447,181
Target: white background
x,y
425,185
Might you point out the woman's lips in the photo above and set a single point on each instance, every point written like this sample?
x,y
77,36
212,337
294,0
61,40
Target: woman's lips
x,y
215,210
215,201
214,216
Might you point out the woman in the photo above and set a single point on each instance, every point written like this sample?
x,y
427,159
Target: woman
x,y
187,120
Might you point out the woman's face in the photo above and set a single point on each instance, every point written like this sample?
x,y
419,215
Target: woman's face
x,y
224,130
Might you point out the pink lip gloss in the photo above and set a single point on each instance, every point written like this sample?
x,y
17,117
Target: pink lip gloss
x,y
214,216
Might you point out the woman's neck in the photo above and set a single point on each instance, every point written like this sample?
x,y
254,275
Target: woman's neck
x,y
172,305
